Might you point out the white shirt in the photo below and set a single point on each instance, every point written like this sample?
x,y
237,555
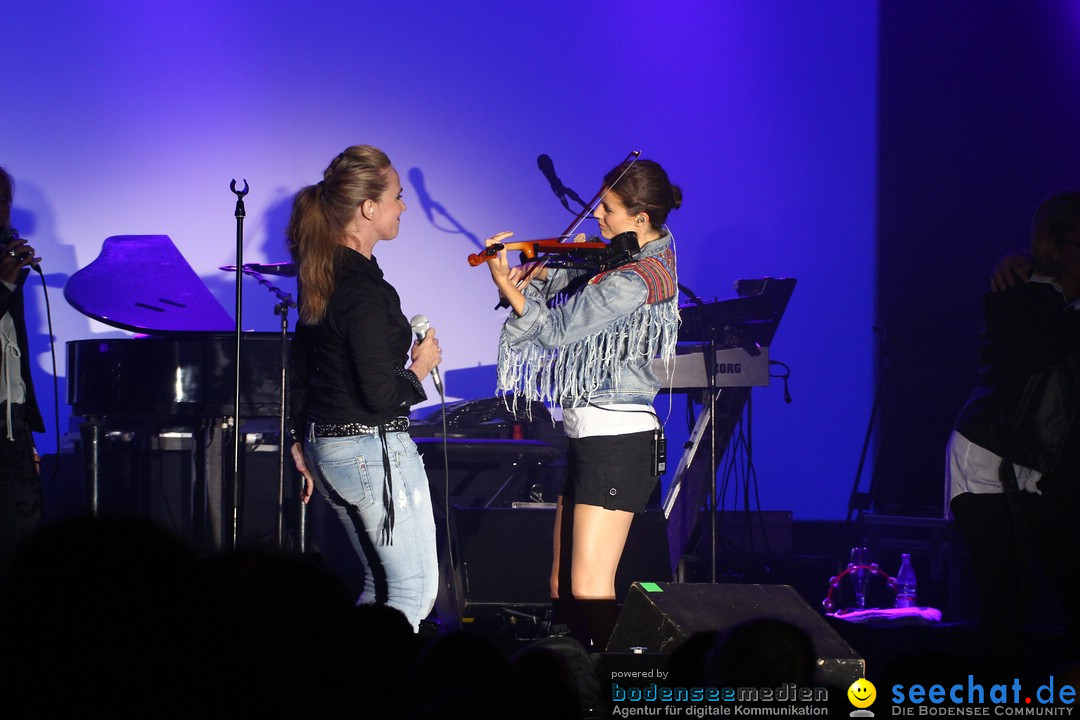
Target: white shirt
x,y
11,382
12,388
974,469
620,419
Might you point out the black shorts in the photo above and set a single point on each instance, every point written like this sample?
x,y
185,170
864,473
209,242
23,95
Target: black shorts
x,y
611,471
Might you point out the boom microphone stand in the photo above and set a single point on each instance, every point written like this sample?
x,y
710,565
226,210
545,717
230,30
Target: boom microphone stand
x,y
285,301
236,480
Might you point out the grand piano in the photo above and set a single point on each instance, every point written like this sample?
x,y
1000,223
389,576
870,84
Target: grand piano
x,y
171,392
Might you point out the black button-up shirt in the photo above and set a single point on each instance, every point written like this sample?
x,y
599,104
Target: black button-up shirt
x,y
350,367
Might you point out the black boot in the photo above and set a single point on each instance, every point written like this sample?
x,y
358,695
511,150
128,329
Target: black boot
x,y
599,617
565,619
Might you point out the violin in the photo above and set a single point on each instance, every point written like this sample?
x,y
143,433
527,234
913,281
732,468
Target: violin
x,y
557,245
531,248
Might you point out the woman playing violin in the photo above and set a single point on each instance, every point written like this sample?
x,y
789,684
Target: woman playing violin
x,y
593,354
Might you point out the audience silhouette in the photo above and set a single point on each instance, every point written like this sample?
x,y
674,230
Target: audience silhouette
x,y
116,615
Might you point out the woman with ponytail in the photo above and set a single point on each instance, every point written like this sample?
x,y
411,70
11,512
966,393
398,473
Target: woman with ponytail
x,y
355,374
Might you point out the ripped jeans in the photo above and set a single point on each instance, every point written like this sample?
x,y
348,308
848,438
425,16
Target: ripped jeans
x,y
403,573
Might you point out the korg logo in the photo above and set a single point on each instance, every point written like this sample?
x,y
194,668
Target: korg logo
x,y
729,368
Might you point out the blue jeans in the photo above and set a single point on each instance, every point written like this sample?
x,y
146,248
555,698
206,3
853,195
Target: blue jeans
x,y
403,573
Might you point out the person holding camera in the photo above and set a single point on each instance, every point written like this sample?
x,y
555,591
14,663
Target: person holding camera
x,y
20,485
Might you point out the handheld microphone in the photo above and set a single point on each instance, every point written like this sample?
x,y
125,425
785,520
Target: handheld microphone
x,y
420,326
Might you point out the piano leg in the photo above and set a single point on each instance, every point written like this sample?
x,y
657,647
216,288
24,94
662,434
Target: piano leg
x,y
208,458
90,432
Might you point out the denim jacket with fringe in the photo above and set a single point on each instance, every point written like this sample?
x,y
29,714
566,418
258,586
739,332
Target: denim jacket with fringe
x,y
596,345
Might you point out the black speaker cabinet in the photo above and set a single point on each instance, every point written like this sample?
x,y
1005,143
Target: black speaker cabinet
x,y
504,555
659,616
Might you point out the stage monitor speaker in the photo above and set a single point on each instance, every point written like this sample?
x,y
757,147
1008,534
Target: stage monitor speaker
x,y
659,616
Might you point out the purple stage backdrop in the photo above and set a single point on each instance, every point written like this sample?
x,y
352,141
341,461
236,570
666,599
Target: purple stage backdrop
x,y
128,118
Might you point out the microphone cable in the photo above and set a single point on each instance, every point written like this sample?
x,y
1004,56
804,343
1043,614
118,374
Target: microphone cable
x,y
56,385
419,325
451,565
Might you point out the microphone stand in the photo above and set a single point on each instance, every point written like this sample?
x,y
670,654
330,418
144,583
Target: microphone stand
x,y
860,502
282,309
708,332
236,480
710,388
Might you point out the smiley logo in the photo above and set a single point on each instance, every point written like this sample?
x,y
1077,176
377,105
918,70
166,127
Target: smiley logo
x,y
862,693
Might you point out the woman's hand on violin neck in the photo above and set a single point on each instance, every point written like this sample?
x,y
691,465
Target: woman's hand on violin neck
x,y
497,263
498,238
500,273
426,354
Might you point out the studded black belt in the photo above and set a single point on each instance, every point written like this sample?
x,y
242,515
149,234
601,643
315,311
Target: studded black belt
x,y
400,424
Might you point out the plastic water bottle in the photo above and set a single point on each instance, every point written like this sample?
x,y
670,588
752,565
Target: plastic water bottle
x,y
905,583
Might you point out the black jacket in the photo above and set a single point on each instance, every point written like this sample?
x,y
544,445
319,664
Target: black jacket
x,y
350,367
1028,394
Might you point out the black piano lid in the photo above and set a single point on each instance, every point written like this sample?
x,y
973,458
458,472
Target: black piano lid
x,y
143,284
750,318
